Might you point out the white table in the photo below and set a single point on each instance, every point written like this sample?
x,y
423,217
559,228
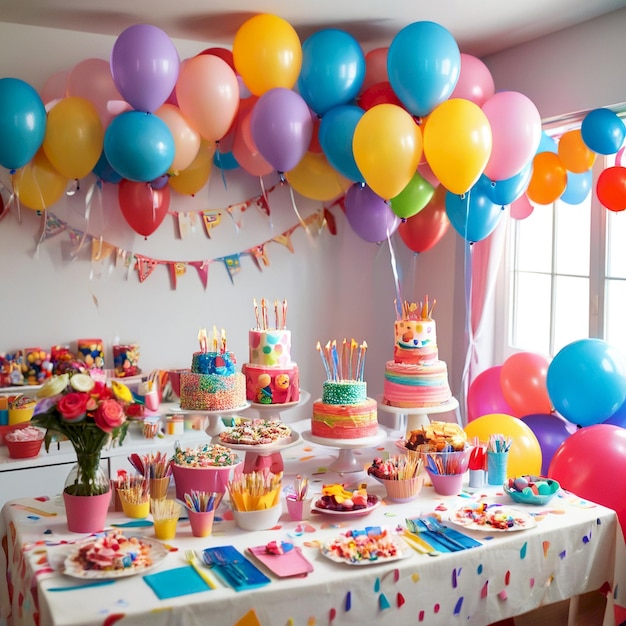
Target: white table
x,y
575,548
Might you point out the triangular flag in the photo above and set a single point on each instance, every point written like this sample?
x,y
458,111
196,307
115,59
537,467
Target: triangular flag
x,y
249,619
202,268
211,219
53,226
232,264
176,269
186,224
101,250
144,266
329,218
236,212
259,255
285,240
263,205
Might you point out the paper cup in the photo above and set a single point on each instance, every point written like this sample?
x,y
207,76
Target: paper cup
x,y
134,510
201,522
18,416
447,484
403,490
496,467
298,509
165,529
159,487
263,519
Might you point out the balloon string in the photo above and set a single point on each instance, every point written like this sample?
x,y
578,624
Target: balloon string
x,y
396,278
267,200
468,309
295,208
218,156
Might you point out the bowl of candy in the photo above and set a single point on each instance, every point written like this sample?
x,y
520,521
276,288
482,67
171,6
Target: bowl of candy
x,y
531,489
24,443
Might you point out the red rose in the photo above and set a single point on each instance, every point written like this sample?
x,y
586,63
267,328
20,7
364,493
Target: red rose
x,y
73,406
109,415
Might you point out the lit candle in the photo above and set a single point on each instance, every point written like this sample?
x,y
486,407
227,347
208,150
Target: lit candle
x,y
335,361
202,339
324,361
363,350
276,320
223,341
284,314
256,314
344,359
214,339
353,345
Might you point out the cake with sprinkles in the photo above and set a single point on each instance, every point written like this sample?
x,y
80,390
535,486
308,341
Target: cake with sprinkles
x,y
205,455
256,432
212,383
344,411
271,376
416,377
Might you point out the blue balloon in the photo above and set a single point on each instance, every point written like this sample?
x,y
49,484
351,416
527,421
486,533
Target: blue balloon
x,y
22,123
423,65
139,146
618,418
103,170
473,215
225,160
507,191
335,136
547,144
578,187
333,69
586,381
603,131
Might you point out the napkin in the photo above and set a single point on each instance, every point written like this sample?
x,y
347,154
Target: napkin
x,y
172,583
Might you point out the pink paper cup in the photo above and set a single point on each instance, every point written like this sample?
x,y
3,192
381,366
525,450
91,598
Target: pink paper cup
x,y
447,484
298,509
201,522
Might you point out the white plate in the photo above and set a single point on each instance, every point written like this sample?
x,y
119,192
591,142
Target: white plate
x,y
157,553
281,444
522,520
402,548
349,513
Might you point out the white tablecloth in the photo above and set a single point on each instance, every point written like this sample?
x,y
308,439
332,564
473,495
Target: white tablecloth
x,y
575,547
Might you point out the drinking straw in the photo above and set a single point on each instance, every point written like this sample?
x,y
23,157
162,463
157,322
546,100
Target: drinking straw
x,y
203,501
499,443
301,487
135,489
164,509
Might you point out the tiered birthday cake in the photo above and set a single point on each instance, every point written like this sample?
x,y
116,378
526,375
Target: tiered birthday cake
x,y
416,377
212,384
344,410
271,376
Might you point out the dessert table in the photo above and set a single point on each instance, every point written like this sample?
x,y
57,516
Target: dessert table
x,y
574,547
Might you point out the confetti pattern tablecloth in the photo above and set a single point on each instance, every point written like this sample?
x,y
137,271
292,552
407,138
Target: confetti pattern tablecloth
x,y
575,547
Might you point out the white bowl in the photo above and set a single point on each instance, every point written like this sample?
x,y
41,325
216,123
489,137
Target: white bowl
x,y
258,520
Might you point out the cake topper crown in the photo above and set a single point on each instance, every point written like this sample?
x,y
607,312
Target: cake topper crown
x,y
350,366
414,311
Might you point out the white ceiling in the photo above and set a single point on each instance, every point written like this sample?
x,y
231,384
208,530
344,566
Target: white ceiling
x,y
480,27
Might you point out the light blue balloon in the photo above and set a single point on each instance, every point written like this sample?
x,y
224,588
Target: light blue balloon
x,y
332,71
586,381
139,146
22,123
578,187
335,135
547,144
423,65
603,131
473,215
507,191
103,170
225,160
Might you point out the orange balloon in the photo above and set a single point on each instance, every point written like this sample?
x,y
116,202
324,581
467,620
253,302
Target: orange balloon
x,y
315,178
38,185
574,154
387,146
190,180
267,53
523,383
186,139
548,180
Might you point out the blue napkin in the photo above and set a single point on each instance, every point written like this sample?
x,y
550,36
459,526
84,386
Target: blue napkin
x,y
172,583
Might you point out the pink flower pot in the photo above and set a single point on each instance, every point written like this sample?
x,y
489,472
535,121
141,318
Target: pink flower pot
x,y
86,514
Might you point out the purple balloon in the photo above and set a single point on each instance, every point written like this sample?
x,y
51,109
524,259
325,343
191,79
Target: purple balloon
x,y
159,182
369,216
551,431
282,126
485,396
144,66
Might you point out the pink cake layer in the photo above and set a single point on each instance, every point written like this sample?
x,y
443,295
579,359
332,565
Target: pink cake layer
x,y
272,385
416,356
210,392
408,385
344,421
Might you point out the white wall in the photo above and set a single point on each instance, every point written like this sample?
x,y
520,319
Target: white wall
x,y
335,286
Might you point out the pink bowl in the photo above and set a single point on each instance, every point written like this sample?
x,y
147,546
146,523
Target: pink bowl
x,y
211,479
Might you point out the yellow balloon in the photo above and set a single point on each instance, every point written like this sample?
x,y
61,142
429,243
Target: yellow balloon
x,y
457,143
387,147
74,137
38,185
267,53
525,453
315,178
190,180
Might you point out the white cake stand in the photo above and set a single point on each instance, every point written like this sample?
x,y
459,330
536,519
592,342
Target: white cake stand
x,y
215,424
274,411
417,416
346,462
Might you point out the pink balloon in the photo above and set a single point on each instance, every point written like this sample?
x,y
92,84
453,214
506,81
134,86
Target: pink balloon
x,y
208,95
589,464
54,88
251,161
516,132
186,139
523,381
521,208
475,81
484,396
375,68
91,79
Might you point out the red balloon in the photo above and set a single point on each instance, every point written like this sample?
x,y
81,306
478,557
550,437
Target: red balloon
x,y
223,53
484,395
380,93
523,381
589,463
425,229
143,207
611,188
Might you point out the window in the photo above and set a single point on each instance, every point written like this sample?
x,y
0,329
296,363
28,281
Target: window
x,y
564,276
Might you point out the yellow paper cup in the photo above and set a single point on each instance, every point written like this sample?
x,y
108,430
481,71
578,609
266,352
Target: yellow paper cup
x,y
18,416
165,529
135,510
